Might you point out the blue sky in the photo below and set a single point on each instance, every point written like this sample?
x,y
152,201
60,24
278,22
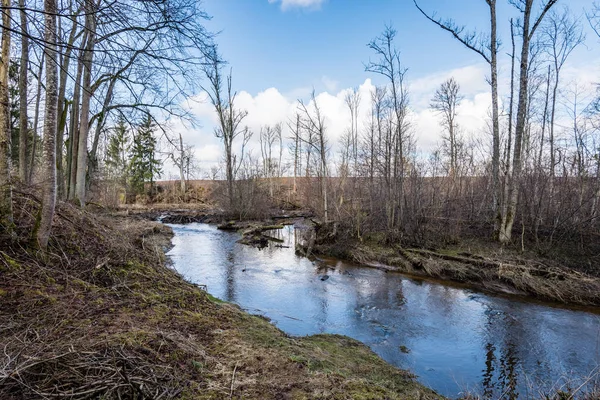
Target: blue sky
x,y
289,47
281,49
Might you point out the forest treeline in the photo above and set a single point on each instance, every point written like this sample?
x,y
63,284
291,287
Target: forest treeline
x,y
87,85
76,78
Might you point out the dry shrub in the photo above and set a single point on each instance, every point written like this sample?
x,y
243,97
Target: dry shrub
x,y
59,321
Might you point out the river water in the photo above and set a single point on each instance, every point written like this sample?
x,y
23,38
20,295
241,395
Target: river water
x,y
453,339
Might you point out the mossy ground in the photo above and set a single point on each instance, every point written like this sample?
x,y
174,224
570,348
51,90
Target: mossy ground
x,y
102,316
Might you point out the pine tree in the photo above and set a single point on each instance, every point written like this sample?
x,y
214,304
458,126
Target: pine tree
x,y
117,152
144,166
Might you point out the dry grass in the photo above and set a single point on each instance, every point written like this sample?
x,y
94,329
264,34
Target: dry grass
x,y
101,316
494,271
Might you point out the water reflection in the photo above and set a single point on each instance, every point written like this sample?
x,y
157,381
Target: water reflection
x,y
453,339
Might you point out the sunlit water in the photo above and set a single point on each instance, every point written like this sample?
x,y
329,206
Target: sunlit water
x,y
453,339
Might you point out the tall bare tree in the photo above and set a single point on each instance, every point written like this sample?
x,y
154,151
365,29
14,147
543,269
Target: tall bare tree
x,y
230,118
528,31
312,122
6,212
63,103
389,66
36,118
50,125
561,34
352,100
23,120
270,136
296,147
487,47
86,87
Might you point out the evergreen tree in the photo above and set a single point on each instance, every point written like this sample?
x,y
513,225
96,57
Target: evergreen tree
x,y
144,166
117,151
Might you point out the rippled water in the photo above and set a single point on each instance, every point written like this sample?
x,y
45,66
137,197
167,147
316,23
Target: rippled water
x,y
452,338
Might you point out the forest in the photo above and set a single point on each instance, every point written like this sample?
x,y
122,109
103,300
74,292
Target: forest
x,y
95,118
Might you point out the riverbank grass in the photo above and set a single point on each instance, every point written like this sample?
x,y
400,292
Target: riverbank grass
x,y
102,316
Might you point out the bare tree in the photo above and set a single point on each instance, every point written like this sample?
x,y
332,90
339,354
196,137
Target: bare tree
x,y
23,121
50,126
528,30
445,101
312,122
561,34
269,137
296,147
487,47
36,118
230,118
6,212
389,66
181,155
352,100
86,87
63,103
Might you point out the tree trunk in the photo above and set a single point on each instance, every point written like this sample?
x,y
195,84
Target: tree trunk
x,y
74,140
62,112
50,127
544,121
6,213
23,121
93,166
551,127
296,150
36,118
84,118
513,192
324,179
496,184
507,171
522,116
229,172
182,165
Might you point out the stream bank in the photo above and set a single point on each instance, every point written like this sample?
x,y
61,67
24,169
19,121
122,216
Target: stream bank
x,y
454,339
102,315
477,263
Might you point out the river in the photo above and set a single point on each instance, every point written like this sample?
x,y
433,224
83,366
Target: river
x,y
452,338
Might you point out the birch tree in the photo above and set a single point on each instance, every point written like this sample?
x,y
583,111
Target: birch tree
x,y
6,212
527,33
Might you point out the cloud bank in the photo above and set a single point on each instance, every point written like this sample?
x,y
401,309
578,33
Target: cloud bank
x,y
270,106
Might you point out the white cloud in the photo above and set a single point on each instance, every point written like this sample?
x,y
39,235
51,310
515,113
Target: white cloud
x,y
306,4
330,84
271,106
472,80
